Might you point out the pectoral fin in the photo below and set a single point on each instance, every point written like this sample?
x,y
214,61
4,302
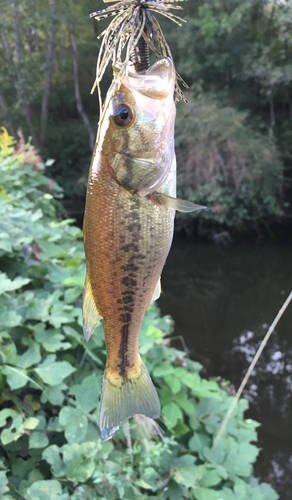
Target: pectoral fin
x,y
177,204
157,290
91,315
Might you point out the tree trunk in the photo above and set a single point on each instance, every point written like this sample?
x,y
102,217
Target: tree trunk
x,y
289,102
5,109
48,78
22,94
7,49
272,111
77,90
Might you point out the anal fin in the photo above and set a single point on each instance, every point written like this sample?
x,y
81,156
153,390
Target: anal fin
x,y
91,315
157,291
177,204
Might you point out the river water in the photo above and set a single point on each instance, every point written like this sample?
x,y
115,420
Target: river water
x,y
223,299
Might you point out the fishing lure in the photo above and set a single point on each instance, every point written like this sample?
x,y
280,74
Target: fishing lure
x,y
134,29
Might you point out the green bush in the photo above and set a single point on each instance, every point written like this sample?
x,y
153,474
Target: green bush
x,y
50,379
227,165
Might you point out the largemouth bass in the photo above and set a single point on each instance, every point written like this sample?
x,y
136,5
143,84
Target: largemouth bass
x,y
128,230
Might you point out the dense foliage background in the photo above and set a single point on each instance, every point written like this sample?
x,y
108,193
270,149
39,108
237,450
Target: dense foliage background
x,y
50,378
234,139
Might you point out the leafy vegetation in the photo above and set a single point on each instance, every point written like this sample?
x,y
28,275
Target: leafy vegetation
x,y
50,378
234,152
226,165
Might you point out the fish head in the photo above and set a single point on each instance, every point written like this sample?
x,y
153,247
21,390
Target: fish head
x,y
137,128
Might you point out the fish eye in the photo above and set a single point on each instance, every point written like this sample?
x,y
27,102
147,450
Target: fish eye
x,y
123,115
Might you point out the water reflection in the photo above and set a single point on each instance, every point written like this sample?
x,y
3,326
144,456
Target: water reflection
x,y
223,299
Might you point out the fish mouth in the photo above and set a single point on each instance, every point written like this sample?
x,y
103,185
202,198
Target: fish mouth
x,y
157,82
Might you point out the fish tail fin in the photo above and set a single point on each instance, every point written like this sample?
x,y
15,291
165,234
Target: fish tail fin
x,y
124,396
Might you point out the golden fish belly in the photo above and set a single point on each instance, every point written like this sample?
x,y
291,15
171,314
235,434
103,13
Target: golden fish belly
x,y
127,239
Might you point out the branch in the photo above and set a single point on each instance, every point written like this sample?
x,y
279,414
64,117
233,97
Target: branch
x,y
48,78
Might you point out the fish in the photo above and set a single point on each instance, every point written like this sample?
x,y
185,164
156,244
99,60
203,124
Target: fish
x,y
128,230
130,208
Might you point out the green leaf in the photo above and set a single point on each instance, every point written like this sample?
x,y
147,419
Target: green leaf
x,y
17,378
205,494
43,490
5,243
74,281
268,493
173,383
239,459
192,380
175,491
61,313
3,483
58,274
150,479
38,309
53,372
9,318
180,429
172,414
185,460
17,426
198,442
54,394
163,370
38,440
84,492
50,339
74,423
72,333
51,250
7,285
186,474
79,461
87,393
31,357
80,339
72,294
29,423
211,477
8,352
185,404
52,455
227,494
22,468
